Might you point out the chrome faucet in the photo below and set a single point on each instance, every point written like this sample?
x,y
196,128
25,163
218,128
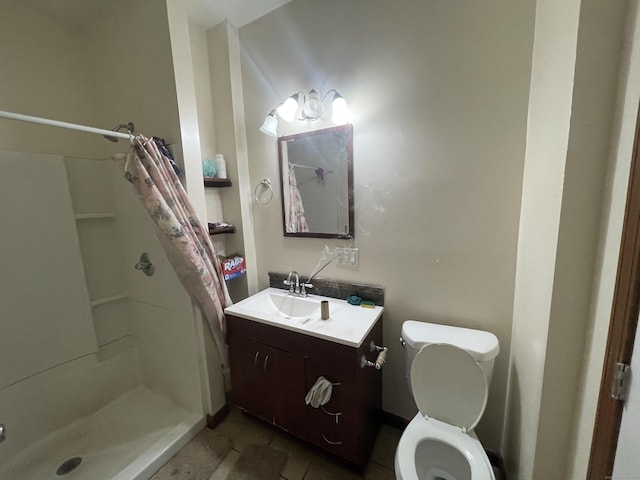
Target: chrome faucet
x,y
294,287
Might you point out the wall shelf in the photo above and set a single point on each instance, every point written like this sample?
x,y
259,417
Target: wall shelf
x,y
217,182
91,216
218,230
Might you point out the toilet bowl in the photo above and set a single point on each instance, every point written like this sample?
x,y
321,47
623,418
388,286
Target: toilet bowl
x,y
434,450
449,373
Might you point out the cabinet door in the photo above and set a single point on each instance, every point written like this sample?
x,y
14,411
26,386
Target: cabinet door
x,y
286,372
269,383
251,389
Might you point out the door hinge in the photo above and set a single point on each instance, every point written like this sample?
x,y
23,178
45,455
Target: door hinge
x,y
621,377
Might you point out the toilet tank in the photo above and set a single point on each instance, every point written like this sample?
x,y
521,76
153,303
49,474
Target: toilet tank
x,y
483,346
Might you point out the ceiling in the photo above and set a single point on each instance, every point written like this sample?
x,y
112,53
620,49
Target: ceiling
x,y
238,12
206,13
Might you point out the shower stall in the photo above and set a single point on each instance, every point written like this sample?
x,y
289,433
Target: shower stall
x,y
100,362
105,372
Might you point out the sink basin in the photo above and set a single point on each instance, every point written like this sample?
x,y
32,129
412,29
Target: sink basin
x,y
294,307
347,324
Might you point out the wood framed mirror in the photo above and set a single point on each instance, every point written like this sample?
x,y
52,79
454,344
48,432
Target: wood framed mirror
x,y
316,180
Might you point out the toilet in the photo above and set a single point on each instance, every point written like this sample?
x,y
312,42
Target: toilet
x,y
449,372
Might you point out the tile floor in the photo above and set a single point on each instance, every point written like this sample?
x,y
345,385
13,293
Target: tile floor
x,y
212,453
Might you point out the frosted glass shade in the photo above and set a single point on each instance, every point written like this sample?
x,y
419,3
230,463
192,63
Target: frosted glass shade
x,y
341,113
287,111
270,126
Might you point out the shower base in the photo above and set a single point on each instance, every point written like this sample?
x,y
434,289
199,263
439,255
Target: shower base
x,y
128,439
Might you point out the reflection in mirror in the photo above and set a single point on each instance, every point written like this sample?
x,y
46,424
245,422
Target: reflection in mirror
x,y
316,176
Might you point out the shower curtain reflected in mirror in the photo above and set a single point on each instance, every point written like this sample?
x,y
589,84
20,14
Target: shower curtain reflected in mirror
x,y
296,221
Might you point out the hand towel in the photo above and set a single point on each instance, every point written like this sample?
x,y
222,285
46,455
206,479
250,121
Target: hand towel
x,y
320,393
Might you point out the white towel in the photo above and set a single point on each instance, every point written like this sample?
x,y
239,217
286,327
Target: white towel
x,y
320,393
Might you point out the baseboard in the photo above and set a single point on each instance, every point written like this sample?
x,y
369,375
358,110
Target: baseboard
x,y
214,420
393,420
497,463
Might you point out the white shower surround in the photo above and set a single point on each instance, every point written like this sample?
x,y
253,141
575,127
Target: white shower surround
x,y
133,395
128,439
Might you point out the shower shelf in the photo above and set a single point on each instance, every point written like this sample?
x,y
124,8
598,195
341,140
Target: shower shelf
x,y
214,230
217,231
103,300
91,216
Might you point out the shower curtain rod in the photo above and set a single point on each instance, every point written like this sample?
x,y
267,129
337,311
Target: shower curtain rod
x,y
56,123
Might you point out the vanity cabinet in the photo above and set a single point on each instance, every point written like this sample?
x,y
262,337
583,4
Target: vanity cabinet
x,y
266,373
272,369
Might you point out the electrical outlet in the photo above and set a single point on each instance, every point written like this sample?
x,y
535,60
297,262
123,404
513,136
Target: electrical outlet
x,y
354,257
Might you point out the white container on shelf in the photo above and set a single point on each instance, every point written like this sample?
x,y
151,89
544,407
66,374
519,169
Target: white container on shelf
x,y
221,166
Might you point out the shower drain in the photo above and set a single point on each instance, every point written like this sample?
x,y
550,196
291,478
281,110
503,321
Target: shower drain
x,y
68,466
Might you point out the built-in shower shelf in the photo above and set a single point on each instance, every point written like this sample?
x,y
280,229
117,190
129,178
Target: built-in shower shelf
x,y
103,300
91,216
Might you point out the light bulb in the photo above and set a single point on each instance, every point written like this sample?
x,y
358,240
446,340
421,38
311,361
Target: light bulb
x,y
341,113
287,111
313,107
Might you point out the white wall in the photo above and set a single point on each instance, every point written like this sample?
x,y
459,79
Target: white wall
x,y
439,94
229,113
44,74
617,178
547,143
593,100
574,79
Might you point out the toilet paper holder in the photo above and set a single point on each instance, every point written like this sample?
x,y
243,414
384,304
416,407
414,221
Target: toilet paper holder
x,y
380,360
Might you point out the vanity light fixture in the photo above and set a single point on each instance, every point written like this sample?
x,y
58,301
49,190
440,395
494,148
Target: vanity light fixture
x,y
306,108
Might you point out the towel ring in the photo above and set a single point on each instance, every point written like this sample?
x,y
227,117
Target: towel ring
x,y
263,192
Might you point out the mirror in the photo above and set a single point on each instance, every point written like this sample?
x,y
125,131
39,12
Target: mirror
x,y
316,179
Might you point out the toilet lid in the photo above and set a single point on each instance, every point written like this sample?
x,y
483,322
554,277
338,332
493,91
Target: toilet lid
x,y
449,385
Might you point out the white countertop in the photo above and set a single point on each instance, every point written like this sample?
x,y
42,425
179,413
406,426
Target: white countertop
x,y
347,324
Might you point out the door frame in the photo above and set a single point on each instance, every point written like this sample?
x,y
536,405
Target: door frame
x,y
622,327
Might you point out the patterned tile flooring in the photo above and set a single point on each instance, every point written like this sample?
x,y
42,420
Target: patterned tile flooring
x,y
212,454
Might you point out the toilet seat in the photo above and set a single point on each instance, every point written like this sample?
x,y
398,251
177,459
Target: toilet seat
x,y
448,385
421,429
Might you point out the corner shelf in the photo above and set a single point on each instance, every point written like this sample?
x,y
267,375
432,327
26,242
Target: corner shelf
x,y
217,182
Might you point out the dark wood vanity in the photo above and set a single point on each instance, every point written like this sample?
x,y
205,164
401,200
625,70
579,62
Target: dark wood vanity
x,y
273,368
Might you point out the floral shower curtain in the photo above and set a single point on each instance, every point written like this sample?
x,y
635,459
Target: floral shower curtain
x,y
183,236
296,222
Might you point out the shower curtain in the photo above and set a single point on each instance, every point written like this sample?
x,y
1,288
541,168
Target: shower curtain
x,y
183,236
296,221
